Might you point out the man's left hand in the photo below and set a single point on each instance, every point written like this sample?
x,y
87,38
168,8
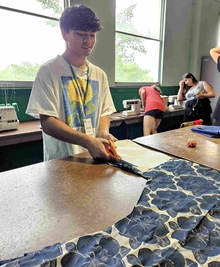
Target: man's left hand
x,y
109,136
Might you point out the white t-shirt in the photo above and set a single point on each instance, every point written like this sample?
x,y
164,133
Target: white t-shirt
x,y
56,93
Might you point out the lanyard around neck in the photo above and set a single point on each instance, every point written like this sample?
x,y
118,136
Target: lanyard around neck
x,y
77,84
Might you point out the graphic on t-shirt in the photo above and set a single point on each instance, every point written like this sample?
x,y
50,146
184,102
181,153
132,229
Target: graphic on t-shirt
x,y
77,104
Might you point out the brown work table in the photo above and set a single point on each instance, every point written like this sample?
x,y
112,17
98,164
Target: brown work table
x,y
173,143
61,199
26,132
30,130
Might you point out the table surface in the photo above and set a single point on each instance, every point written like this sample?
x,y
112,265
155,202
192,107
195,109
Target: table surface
x,y
26,132
173,143
61,199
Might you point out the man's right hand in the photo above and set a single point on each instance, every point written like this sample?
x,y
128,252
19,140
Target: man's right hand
x,y
96,148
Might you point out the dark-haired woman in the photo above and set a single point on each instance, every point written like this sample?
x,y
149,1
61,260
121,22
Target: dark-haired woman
x,y
196,95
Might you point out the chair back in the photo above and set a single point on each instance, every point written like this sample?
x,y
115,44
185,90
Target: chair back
x,y
191,123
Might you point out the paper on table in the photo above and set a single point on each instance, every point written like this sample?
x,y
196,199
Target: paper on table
x,y
142,157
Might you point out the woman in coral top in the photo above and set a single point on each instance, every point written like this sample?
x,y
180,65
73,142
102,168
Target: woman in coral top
x,y
153,106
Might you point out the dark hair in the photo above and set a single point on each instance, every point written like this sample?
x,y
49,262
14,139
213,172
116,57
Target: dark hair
x,y
79,17
190,75
187,76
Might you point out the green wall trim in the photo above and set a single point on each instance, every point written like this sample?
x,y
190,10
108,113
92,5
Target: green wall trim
x,y
21,97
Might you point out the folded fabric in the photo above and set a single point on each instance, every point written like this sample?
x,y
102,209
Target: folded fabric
x,y
210,131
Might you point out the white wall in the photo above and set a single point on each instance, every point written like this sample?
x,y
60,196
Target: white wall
x,y
103,54
191,30
177,41
209,29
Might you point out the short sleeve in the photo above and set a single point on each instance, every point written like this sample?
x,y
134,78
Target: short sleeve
x,y
139,91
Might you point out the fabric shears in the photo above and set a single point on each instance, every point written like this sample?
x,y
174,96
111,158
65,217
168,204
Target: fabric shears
x,y
117,161
111,150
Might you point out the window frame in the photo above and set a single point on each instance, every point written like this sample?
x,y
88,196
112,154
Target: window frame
x,y
161,48
29,84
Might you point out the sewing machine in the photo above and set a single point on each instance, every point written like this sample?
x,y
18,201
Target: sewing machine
x,y
135,105
174,103
8,118
172,99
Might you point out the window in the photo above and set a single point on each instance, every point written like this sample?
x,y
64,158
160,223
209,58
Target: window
x,y
30,35
138,41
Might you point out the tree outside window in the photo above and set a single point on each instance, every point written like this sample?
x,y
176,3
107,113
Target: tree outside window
x,y
138,41
30,36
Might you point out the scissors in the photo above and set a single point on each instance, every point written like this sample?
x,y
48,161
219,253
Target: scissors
x,y
117,161
111,150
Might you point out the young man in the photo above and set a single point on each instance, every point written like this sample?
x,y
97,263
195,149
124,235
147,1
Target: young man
x,y
70,95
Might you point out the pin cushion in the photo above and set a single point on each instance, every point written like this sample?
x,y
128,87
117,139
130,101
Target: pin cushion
x,y
191,143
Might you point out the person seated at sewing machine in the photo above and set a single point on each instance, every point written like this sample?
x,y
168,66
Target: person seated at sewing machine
x,y
153,106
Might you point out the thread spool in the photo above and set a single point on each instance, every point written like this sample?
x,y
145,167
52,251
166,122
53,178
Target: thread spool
x,y
15,105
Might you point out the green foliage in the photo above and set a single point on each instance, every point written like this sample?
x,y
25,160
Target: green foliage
x,y
127,45
56,8
52,23
52,4
130,72
27,71
124,19
24,72
126,69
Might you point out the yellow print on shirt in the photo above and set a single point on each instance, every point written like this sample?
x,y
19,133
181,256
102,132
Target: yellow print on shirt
x,y
77,95
73,99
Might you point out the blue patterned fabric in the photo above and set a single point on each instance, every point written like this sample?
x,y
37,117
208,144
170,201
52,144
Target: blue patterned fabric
x,y
176,222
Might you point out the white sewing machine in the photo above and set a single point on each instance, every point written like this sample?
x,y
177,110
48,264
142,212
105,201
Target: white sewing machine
x,y
8,118
135,105
174,103
172,99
